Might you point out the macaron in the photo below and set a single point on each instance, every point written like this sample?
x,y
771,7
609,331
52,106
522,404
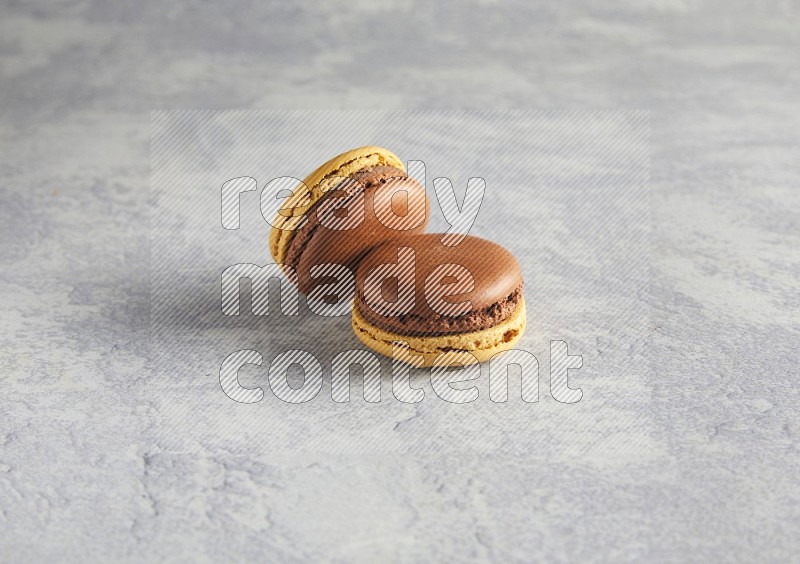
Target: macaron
x,y
439,299
347,206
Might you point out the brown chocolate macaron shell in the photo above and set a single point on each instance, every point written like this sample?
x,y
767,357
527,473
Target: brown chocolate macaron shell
x,y
370,195
494,297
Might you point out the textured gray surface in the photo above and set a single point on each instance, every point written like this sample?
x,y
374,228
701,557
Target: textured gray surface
x,y
697,461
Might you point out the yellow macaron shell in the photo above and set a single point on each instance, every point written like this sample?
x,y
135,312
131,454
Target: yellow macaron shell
x,y
317,184
481,344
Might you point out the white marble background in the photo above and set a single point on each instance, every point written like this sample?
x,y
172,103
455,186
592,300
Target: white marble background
x,y
699,463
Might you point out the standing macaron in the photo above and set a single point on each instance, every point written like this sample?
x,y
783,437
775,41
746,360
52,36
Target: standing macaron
x,y
439,299
347,206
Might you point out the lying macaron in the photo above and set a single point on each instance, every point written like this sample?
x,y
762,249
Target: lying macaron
x,y
347,206
439,299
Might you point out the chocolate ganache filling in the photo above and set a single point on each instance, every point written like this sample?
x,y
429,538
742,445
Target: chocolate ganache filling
x,y
416,325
